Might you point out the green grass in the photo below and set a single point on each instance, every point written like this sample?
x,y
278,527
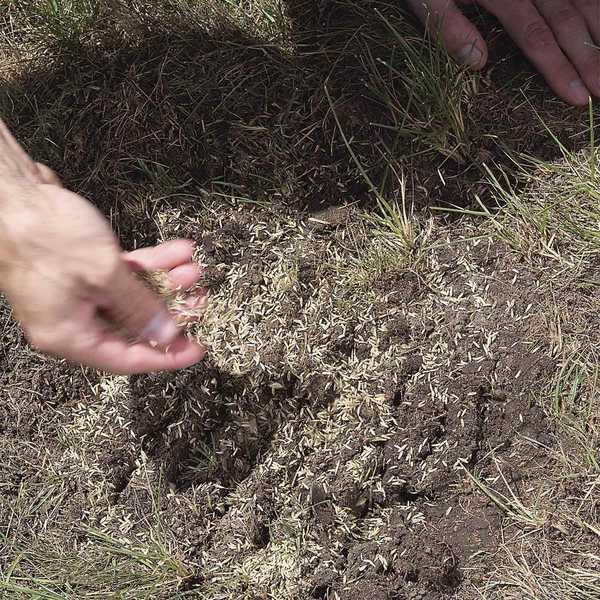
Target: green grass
x,y
554,510
509,503
547,212
425,93
98,564
108,567
549,209
64,22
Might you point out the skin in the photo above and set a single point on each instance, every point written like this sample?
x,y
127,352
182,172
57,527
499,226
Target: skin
x,y
561,38
66,276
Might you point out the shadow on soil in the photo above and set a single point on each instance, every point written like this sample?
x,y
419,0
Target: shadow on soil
x,y
170,110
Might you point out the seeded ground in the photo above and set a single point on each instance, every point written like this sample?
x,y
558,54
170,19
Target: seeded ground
x,y
400,396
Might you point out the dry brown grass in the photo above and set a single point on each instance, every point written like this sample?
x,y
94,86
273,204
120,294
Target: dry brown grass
x,y
374,383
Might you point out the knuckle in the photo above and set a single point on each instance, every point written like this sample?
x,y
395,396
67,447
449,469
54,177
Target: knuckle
x,y
104,270
538,35
558,11
566,14
41,339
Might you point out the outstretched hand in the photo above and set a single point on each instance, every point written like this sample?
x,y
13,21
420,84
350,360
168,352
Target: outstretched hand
x,y
560,37
67,278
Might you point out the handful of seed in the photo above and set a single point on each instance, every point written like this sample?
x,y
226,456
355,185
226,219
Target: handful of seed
x,y
176,301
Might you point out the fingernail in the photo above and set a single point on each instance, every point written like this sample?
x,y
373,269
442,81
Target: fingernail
x,y
581,94
161,329
470,55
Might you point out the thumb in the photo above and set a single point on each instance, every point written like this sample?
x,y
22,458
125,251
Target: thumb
x,y
136,308
458,34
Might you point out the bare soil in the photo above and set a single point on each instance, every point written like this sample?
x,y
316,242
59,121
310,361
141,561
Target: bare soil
x,y
441,419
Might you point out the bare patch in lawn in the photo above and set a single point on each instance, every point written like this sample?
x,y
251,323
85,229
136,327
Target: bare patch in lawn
x,y
397,403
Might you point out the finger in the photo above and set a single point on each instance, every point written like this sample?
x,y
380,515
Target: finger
x,y
163,257
184,276
571,31
590,9
197,302
458,34
133,306
527,27
108,352
192,310
19,159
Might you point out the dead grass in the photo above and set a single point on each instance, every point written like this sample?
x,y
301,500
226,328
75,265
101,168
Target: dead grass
x,y
552,524
549,211
552,529
95,563
360,345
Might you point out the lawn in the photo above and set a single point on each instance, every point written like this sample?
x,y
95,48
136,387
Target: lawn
x,y
400,400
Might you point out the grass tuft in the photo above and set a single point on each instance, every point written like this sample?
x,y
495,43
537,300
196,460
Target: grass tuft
x,y
427,95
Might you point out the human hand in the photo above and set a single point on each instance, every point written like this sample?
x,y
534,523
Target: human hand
x,y
558,37
62,270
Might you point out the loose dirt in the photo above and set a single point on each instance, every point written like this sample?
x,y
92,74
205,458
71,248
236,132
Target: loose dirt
x,y
354,392
384,503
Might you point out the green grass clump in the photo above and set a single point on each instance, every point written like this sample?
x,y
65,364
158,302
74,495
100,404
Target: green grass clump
x,y
425,93
550,209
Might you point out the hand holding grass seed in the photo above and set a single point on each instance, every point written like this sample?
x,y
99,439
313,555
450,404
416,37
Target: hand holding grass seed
x,y
560,37
65,275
